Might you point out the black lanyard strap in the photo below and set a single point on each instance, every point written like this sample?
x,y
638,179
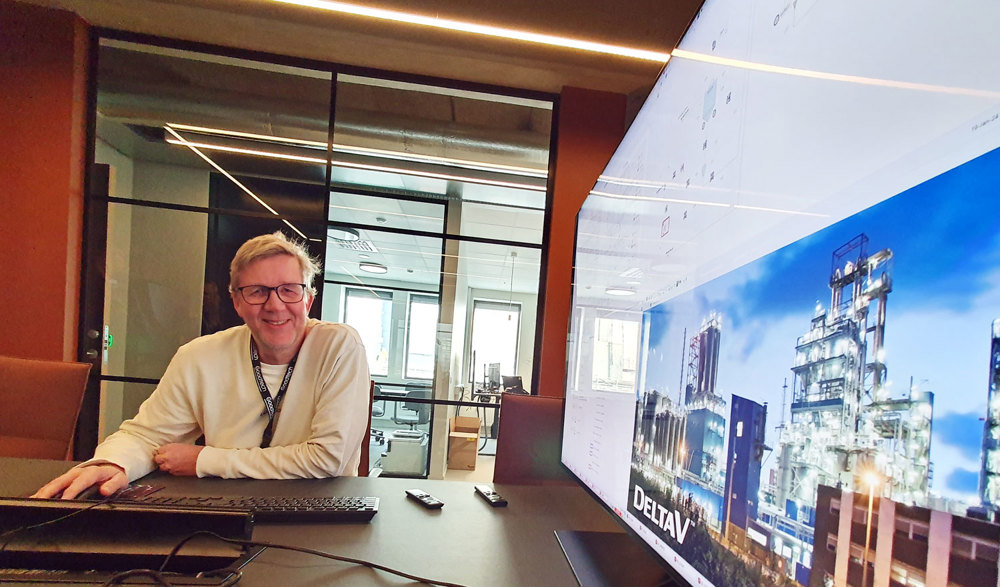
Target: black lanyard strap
x,y
273,406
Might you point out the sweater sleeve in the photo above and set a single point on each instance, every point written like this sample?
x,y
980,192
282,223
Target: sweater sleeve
x,y
166,416
336,419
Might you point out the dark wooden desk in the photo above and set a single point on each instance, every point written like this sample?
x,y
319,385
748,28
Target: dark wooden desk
x,y
466,542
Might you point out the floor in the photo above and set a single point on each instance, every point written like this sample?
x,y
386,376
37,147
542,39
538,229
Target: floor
x,y
482,474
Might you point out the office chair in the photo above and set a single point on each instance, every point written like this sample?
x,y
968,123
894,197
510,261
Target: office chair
x,y
528,442
41,402
420,412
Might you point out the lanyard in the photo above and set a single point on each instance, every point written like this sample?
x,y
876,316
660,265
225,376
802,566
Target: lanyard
x,y
273,406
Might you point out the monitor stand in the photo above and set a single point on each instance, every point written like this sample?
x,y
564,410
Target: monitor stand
x,y
612,559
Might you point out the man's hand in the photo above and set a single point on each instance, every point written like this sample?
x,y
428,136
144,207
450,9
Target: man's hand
x,y
178,459
111,478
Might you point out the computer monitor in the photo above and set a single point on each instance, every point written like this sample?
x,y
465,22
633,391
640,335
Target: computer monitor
x,y
785,293
493,375
512,383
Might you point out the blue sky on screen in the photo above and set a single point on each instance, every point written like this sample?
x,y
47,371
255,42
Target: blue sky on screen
x,y
945,239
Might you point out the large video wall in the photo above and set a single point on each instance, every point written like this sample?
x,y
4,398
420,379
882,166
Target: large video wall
x,y
787,280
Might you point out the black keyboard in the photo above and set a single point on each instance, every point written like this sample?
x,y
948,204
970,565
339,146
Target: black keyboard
x,y
275,508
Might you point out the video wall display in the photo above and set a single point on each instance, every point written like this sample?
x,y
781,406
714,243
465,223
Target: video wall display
x,y
787,293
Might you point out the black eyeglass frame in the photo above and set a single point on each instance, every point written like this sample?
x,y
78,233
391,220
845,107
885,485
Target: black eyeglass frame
x,y
274,289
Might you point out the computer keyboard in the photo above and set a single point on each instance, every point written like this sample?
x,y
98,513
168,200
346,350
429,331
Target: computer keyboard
x,y
275,508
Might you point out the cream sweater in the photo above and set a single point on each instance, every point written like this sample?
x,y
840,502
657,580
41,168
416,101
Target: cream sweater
x,y
209,388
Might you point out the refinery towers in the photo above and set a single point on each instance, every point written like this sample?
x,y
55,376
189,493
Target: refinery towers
x,y
844,425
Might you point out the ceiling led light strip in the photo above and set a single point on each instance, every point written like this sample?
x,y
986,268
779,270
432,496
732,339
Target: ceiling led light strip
x,y
368,151
837,77
705,203
479,29
229,176
348,164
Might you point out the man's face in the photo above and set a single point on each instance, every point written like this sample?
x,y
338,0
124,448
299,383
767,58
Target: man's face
x,y
277,326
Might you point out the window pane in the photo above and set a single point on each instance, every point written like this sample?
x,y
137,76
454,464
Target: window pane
x,y
386,260
420,337
370,313
437,133
512,223
155,295
494,338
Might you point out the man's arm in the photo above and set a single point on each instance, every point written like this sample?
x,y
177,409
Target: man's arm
x,y
165,417
335,414
69,485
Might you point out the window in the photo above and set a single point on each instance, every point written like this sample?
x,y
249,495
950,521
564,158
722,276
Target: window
x,y
370,313
495,327
421,325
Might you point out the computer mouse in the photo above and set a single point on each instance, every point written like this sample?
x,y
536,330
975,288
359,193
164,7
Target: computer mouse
x,y
92,493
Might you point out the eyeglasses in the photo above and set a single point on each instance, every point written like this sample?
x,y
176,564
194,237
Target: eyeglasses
x,y
259,294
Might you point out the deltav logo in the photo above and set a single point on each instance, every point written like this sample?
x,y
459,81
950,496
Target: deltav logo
x,y
668,520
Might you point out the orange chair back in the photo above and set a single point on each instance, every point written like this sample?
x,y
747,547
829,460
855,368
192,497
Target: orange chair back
x,y
40,405
528,441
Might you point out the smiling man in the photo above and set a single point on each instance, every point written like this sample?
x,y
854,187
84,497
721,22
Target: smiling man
x,y
282,396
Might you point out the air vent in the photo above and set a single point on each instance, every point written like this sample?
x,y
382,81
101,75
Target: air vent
x,y
361,246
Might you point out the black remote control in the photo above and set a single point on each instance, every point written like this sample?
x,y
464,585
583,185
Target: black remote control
x,y
492,497
426,499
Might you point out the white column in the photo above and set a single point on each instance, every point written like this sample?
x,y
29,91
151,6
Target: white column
x,y
938,549
843,539
883,548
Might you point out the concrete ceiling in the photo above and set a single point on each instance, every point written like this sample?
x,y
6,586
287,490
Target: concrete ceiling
x,y
275,27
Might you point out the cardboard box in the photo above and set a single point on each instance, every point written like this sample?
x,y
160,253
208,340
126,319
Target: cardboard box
x,y
463,443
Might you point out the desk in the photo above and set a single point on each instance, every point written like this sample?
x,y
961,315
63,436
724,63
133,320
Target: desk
x,y
466,542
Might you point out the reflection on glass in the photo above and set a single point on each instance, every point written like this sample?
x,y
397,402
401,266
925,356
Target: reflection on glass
x,y
616,344
155,286
456,130
160,111
511,223
387,211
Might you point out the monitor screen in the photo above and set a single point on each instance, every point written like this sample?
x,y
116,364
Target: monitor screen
x,y
493,375
786,293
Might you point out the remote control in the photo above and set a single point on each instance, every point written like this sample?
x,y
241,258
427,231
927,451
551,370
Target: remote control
x,y
492,497
426,499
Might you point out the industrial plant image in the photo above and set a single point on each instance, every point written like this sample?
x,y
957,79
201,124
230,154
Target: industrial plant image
x,y
826,414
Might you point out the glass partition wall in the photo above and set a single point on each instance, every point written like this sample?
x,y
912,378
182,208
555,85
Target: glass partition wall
x,y
424,202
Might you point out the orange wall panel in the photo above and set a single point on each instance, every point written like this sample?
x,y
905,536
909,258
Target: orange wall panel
x,y
590,125
43,65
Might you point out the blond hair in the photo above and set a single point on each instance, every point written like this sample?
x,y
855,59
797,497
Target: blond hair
x,y
269,245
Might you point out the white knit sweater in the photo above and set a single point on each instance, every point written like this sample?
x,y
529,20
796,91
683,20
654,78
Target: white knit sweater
x,y
209,388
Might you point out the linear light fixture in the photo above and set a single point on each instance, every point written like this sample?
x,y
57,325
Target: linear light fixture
x,y
229,176
706,203
837,77
316,160
367,151
480,29
373,267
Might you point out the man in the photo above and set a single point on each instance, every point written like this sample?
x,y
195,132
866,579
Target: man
x,y
282,396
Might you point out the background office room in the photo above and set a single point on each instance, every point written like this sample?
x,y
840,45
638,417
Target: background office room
x,y
427,218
